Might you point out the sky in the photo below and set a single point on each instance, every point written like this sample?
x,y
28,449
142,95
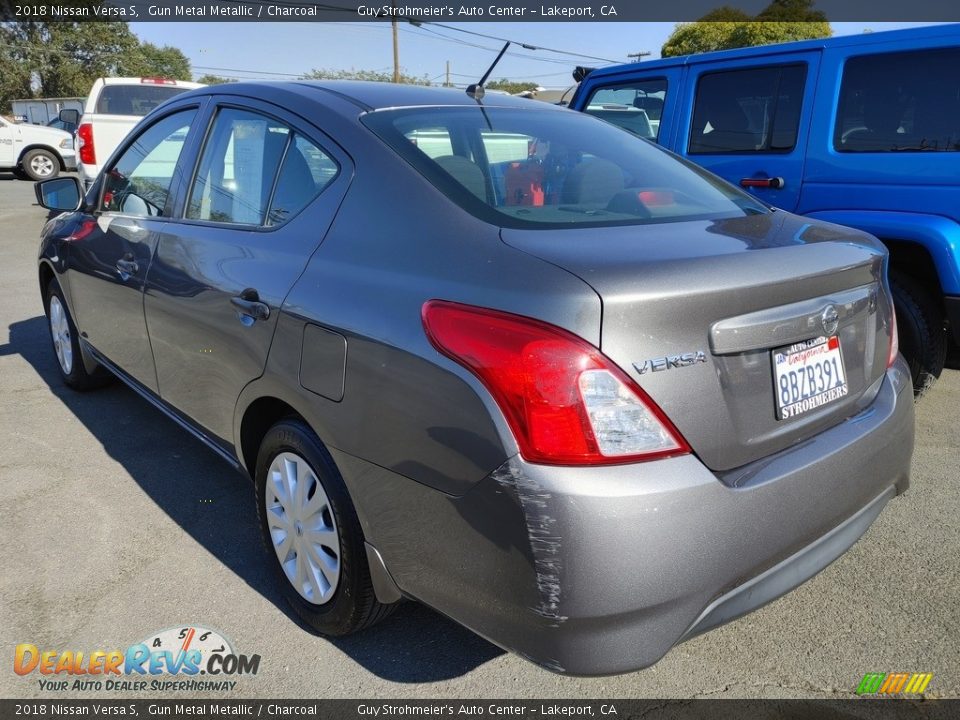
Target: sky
x,y
276,50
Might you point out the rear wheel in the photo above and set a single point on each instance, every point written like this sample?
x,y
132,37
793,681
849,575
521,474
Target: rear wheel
x,y
312,534
41,165
66,346
923,336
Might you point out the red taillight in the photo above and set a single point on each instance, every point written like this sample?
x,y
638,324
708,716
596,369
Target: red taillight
x,y
894,339
565,402
157,81
86,227
88,155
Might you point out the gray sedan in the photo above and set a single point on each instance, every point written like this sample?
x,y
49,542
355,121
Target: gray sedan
x,y
497,357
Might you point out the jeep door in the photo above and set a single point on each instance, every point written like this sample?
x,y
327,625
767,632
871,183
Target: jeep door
x,y
748,121
111,254
264,192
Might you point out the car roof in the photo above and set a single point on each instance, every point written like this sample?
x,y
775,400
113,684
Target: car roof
x,y
865,39
370,96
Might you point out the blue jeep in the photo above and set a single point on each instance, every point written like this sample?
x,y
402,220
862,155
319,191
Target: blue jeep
x,y
862,130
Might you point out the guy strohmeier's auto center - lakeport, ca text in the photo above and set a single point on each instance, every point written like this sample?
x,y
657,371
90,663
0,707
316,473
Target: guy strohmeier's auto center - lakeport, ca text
x,y
256,11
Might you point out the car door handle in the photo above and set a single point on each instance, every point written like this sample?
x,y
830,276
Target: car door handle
x,y
774,183
127,267
249,305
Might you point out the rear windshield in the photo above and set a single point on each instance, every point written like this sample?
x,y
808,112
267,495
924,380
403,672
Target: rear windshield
x,y
535,168
134,99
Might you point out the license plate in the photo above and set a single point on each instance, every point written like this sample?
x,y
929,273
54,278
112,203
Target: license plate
x,y
808,375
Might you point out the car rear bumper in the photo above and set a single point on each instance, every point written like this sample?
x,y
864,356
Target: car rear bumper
x,y
602,570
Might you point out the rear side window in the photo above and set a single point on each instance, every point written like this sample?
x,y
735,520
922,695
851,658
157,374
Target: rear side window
x,y
900,102
256,170
634,106
753,110
134,99
306,170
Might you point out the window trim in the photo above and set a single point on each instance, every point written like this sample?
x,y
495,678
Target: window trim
x,y
232,104
128,142
746,68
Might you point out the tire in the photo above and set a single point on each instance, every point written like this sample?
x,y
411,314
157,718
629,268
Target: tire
x,y
40,165
66,346
923,335
335,602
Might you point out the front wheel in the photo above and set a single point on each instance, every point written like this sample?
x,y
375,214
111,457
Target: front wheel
x,y
66,346
41,165
312,534
923,336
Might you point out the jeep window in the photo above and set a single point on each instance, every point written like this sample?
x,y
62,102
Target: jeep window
x,y
533,168
133,99
139,182
754,110
635,106
900,102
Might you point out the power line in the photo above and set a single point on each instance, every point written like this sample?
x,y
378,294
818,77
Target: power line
x,y
527,46
555,61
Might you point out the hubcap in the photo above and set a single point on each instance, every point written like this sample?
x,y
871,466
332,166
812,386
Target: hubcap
x,y
60,332
42,165
302,528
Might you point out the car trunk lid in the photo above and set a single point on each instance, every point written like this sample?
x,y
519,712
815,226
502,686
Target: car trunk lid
x,y
697,311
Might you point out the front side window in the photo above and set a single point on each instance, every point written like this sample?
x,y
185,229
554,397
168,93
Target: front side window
x,y
635,106
256,170
900,102
534,168
753,110
139,182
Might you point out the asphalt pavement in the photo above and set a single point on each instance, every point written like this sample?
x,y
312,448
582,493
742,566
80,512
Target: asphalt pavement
x,y
116,524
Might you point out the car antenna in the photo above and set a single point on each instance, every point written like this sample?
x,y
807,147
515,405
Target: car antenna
x,y
476,90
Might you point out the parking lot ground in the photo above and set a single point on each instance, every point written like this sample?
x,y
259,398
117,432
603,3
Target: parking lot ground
x,y
116,524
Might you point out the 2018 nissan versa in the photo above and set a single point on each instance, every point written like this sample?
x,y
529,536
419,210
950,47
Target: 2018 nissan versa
x,y
502,358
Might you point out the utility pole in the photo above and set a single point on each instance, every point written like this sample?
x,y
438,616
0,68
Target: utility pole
x,y
396,49
447,83
639,55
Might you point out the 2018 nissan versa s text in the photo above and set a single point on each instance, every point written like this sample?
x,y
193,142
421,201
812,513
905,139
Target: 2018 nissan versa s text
x,y
502,358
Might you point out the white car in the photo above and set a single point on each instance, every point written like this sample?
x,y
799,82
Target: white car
x,y
113,108
34,151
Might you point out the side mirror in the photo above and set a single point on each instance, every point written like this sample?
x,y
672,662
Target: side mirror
x,y
63,194
70,115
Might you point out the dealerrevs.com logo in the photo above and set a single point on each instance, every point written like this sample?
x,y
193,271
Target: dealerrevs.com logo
x,y
167,661
896,683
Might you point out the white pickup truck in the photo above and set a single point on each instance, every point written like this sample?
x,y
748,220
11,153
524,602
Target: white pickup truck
x,y
113,108
34,151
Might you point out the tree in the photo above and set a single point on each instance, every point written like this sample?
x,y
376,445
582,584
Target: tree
x,y
726,27
14,79
510,86
62,59
148,60
209,79
369,75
